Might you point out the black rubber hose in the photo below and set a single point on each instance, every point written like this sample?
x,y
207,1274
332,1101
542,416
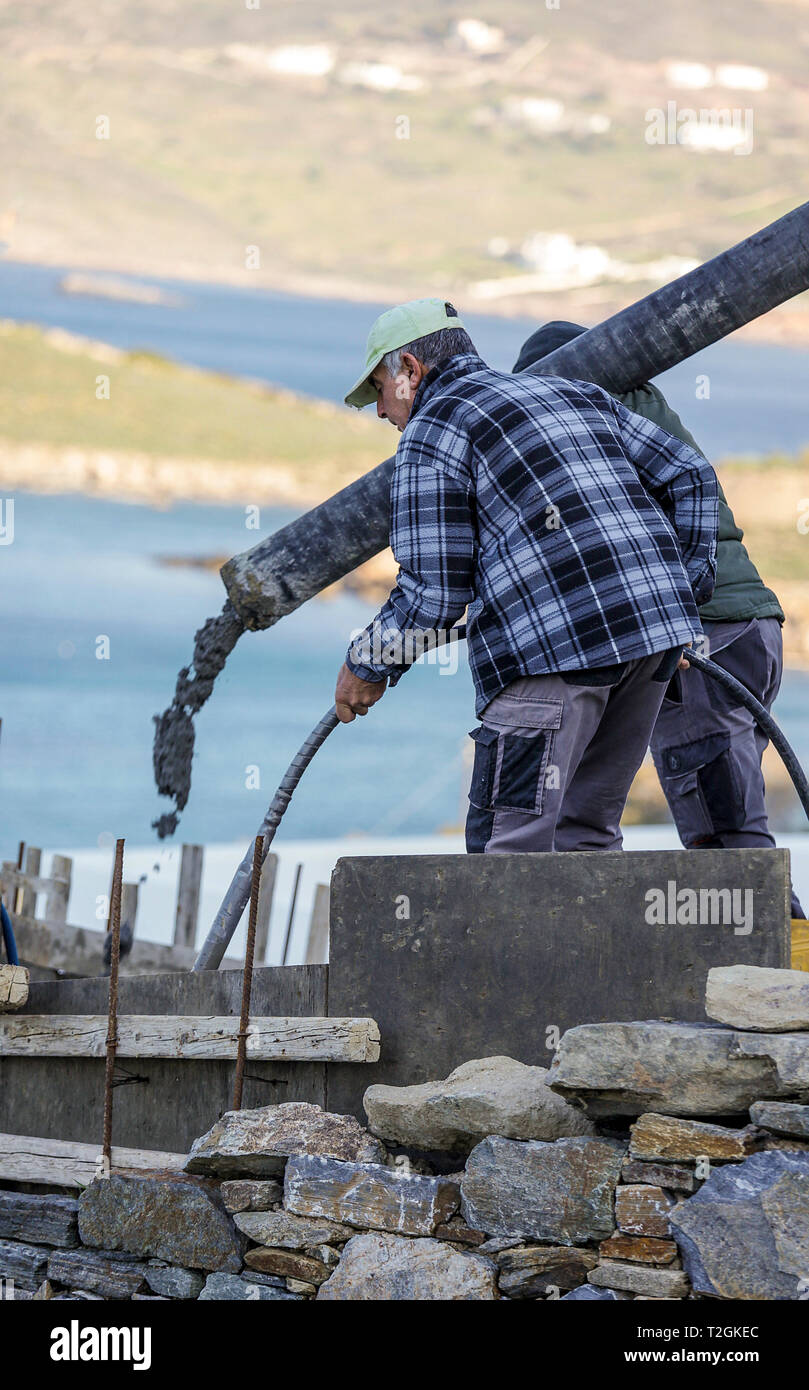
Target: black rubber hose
x,y
235,900
8,936
762,717
238,895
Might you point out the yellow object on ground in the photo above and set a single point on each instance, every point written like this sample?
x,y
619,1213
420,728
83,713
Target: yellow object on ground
x,y
800,943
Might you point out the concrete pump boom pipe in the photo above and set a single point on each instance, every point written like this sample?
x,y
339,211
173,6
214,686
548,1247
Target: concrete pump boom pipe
x,y
639,343
280,573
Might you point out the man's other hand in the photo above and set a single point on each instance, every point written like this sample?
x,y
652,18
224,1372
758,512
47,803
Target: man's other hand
x,y
355,696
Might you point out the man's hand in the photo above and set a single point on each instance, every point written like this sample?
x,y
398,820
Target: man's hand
x,y
355,696
684,664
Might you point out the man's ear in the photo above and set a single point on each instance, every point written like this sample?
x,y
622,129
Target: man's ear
x,y
416,370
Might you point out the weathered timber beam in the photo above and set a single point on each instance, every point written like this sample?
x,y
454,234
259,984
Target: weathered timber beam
x,y
79,951
190,1036
24,1158
13,987
13,877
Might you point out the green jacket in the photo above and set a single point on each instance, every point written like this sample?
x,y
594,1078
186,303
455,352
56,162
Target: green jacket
x,y
739,593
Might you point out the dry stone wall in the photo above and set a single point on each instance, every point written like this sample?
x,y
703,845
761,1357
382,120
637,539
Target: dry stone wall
x,y
637,1167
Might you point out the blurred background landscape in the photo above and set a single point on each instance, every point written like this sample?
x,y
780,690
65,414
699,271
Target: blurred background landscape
x,y
204,206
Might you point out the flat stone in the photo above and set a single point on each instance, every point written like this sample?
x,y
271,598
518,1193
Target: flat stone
x,y
588,1293
179,1220
642,1210
786,1207
97,1271
388,1268
748,996
677,1068
270,1281
229,1288
13,988
644,1250
367,1194
456,1229
82,1296
39,1220
495,1095
745,1234
498,1243
289,1232
257,1143
288,1263
781,1117
301,1286
325,1253
25,1264
560,1192
532,1270
251,1194
655,1283
668,1175
785,1054
668,1137
172,1281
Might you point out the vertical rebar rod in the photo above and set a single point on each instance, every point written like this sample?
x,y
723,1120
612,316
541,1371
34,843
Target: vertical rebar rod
x,y
291,917
247,978
112,1011
17,891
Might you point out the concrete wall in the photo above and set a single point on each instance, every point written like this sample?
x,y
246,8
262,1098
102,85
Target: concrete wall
x,y
460,957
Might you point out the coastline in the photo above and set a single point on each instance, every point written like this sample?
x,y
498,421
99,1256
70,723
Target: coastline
x,y
151,480
786,326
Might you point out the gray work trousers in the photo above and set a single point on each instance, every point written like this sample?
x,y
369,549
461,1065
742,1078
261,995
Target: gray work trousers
x,y
707,749
554,762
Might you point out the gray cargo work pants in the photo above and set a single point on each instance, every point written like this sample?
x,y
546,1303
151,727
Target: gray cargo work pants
x,y
707,749
554,761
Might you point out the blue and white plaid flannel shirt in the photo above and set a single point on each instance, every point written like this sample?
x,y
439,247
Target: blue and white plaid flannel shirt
x,y
577,533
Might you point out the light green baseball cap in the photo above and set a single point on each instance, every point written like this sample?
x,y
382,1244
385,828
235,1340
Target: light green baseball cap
x,y
392,330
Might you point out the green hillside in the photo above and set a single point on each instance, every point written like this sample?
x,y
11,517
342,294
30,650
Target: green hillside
x,y
210,151
159,408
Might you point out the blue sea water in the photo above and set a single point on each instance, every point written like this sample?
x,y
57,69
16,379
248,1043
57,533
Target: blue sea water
x,y
75,754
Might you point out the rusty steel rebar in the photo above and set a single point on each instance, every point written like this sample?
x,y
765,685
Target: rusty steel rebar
x,y
113,926
247,978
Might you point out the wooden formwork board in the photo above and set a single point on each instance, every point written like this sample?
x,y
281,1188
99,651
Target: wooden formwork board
x,y
191,1036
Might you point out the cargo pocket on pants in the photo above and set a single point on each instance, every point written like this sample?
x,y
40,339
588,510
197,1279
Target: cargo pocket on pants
x,y
702,788
527,732
511,768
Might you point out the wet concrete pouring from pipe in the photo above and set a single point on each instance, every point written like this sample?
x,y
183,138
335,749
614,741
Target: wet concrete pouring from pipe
x,y
173,749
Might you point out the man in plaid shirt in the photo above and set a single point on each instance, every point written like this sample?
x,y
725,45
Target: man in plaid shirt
x,y
579,539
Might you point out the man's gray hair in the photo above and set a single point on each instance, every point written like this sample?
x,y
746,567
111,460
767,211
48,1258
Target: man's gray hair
x,y
431,349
